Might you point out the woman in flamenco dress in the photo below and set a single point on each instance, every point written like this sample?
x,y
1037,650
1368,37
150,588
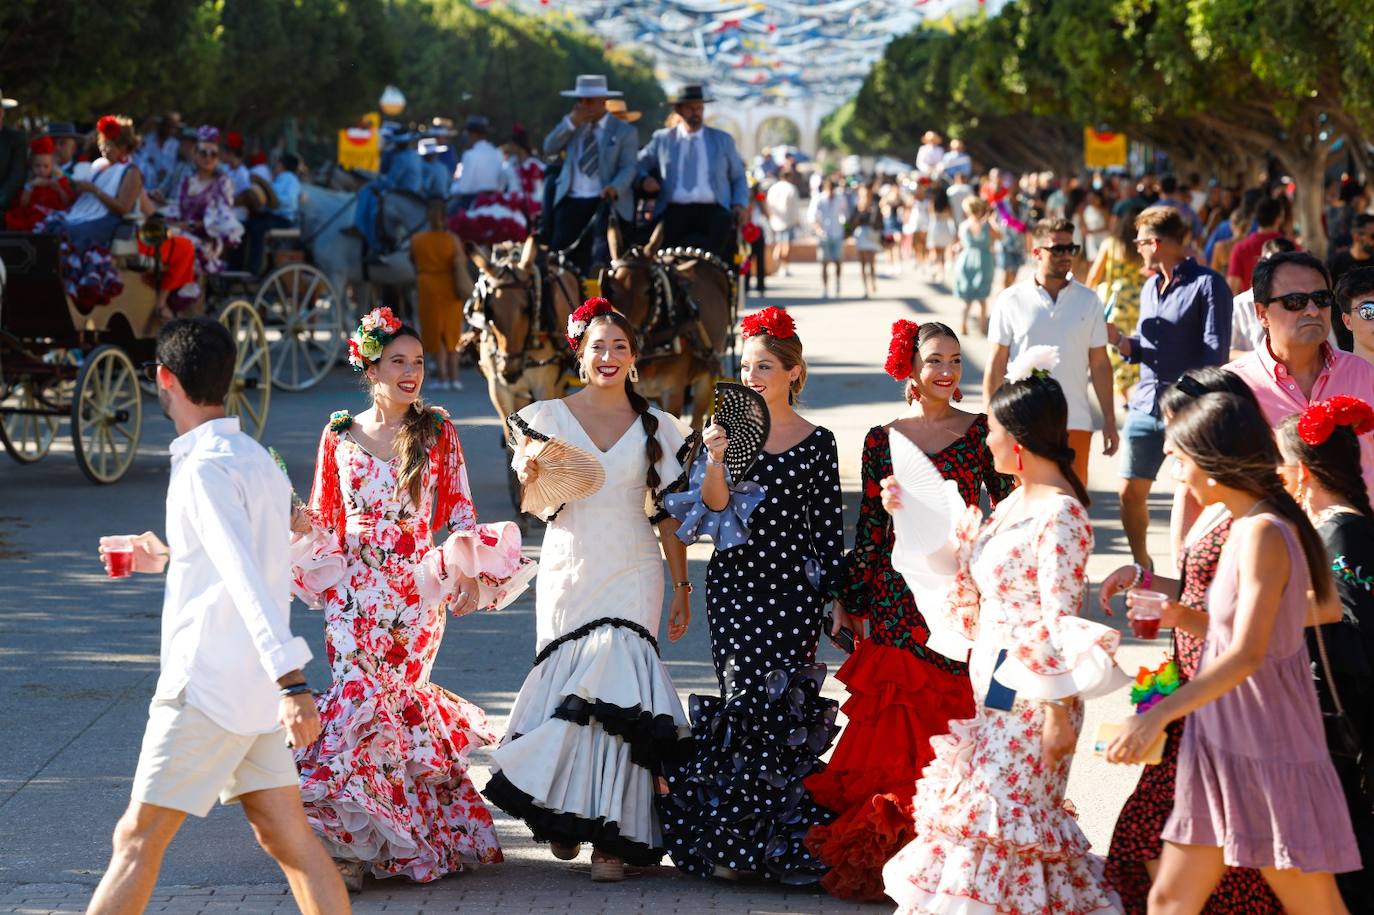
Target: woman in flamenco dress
x,y
993,830
598,715
386,786
738,805
901,694
1133,857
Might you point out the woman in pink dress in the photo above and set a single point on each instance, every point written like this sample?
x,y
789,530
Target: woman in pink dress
x,y
993,831
1255,785
386,785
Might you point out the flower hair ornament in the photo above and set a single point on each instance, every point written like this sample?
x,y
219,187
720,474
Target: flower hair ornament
x,y
1039,361
902,350
207,133
773,321
580,319
1321,419
378,328
109,127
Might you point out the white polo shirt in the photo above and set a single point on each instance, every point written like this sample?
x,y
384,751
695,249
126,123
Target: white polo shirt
x,y
1024,315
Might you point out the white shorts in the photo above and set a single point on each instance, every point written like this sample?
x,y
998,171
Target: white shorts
x,y
188,760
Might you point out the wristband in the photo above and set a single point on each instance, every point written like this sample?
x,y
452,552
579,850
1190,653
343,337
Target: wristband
x,y
294,689
1147,578
683,585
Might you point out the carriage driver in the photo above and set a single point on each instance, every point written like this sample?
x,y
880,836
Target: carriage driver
x,y
699,177
599,167
404,172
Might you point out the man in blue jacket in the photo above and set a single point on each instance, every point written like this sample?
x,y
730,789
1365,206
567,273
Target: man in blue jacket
x,y
699,178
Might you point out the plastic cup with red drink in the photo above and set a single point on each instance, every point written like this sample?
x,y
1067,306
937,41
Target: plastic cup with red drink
x,y
1146,609
119,556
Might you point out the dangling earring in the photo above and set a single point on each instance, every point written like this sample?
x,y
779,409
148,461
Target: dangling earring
x,y
634,374
958,394
1017,449
582,372
1305,499
1211,481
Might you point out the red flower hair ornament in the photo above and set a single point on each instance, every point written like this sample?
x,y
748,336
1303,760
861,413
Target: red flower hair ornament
x,y
580,319
109,127
1321,419
773,321
42,146
902,350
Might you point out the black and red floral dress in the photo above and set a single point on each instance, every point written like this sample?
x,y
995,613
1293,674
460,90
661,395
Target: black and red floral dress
x,y
1135,840
900,694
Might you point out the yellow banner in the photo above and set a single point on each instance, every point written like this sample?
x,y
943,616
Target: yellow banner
x,y
1103,149
360,146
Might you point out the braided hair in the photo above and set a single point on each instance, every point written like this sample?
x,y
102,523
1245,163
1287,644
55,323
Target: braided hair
x,y
1035,413
1335,463
653,450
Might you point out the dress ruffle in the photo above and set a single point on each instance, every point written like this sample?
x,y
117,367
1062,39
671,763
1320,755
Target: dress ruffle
x,y
728,527
742,797
590,729
387,781
897,703
1085,665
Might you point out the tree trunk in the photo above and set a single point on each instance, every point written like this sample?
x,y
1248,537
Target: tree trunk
x,y
1309,178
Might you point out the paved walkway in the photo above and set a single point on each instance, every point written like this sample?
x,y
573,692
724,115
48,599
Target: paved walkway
x,y
78,655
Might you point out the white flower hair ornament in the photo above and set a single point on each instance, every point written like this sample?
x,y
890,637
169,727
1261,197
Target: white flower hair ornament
x,y
1036,360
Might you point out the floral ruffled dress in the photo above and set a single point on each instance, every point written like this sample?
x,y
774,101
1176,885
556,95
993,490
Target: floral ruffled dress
x,y
387,782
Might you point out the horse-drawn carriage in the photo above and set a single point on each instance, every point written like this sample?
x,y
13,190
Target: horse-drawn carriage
x,y
63,359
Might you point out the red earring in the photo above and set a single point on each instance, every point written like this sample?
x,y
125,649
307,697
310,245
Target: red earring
x,y
1017,449
958,394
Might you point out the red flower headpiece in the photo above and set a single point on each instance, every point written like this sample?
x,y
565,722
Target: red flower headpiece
x,y
578,320
233,140
902,350
750,233
109,127
1320,419
258,158
773,321
42,146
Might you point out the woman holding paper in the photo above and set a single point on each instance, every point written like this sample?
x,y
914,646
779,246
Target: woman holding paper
x,y
991,821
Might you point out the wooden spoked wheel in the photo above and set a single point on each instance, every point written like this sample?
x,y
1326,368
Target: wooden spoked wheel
x,y
26,435
251,390
304,318
107,415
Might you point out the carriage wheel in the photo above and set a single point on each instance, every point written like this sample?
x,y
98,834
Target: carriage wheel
x,y
251,390
304,318
107,415
27,437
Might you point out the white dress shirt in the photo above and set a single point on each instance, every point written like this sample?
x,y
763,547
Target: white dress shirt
x,y
702,192
1025,315
584,185
480,170
226,635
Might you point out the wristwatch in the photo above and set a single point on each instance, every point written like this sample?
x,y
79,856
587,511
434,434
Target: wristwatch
x,y
683,585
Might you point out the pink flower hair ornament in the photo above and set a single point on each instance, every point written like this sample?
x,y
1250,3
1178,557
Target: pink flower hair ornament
x,y
378,328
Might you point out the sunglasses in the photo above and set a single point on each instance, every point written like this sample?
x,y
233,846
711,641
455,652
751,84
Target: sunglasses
x,y
149,370
1297,301
1063,250
1365,310
207,152
1141,242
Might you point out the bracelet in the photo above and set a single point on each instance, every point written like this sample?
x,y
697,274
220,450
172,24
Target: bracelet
x,y
1065,704
683,585
1147,578
1139,574
295,689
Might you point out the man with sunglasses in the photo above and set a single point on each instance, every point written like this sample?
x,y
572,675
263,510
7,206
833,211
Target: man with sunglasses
x,y
1185,323
1054,309
1359,254
1355,298
1298,365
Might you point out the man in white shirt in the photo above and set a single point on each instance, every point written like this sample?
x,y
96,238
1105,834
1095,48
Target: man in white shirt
x,y
784,216
1054,309
479,172
231,698
930,155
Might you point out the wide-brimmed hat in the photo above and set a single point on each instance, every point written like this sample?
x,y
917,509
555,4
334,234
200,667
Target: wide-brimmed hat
x,y
10,102
442,127
692,92
477,123
403,137
63,130
621,110
590,85
431,147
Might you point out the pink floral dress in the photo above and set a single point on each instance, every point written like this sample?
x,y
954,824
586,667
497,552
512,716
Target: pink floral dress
x,y
993,831
387,781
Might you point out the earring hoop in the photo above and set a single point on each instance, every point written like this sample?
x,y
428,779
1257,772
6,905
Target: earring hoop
x,y
582,372
634,374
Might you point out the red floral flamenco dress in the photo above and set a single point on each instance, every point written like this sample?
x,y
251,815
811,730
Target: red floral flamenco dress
x,y
900,694
387,782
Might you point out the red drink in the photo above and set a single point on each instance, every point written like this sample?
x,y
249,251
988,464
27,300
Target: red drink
x,y
1146,608
119,556
1145,629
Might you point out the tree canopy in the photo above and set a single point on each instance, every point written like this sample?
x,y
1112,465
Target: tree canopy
x,y
249,65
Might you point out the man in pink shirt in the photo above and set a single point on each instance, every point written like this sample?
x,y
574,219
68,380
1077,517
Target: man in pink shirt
x,y
1295,365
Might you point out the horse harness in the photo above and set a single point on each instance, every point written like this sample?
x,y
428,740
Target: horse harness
x,y
477,312
673,313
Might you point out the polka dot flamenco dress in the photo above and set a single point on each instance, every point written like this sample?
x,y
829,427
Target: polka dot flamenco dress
x,y
739,803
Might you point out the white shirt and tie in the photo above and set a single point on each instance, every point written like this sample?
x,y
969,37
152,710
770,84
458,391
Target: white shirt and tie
x,y
584,158
226,634
694,176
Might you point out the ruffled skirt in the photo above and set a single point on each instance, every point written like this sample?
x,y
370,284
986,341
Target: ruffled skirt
x,y
994,835
593,724
897,703
387,782
741,802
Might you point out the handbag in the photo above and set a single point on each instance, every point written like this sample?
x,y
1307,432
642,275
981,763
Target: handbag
x,y
1343,739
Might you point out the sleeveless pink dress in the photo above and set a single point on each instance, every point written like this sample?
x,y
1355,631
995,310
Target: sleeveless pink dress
x,y
1254,775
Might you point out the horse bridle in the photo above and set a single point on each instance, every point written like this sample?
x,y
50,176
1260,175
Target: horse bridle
x,y
508,277
661,294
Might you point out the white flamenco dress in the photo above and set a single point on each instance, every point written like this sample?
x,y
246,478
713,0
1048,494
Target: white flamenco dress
x,y
598,712
994,834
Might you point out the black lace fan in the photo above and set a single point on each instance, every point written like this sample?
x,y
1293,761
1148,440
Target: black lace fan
x,y
743,414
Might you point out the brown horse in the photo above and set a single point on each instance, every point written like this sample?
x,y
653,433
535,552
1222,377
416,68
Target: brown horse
x,y
677,349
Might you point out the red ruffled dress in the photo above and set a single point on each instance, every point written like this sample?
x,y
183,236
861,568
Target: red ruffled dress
x,y
900,693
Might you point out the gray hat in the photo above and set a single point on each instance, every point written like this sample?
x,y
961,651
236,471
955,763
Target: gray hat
x,y
63,130
590,85
8,102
